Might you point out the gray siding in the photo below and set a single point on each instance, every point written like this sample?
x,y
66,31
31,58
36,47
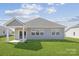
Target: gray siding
x,y
47,34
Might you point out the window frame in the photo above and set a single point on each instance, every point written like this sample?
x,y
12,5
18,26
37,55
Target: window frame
x,y
53,33
57,33
41,33
33,32
37,33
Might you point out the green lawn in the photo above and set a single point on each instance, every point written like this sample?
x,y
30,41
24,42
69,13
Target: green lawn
x,y
68,46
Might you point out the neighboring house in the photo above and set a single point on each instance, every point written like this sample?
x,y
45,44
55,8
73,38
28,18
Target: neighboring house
x,y
38,28
3,30
73,31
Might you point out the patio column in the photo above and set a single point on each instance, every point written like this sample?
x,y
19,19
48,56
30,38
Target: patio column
x,y
14,35
23,33
7,35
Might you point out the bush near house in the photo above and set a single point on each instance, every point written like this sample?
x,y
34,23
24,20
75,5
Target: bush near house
x,y
66,47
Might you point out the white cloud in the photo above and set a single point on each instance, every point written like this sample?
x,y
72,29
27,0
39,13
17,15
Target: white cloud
x,y
28,16
26,9
51,10
32,6
20,12
57,4
51,4
62,3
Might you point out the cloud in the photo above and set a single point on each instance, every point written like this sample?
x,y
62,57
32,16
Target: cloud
x,y
55,4
62,3
21,11
26,9
74,19
62,19
28,16
51,4
32,6
51,10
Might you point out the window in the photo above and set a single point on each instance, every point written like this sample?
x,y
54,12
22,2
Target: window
x,y
33,33
57,33
53,33
24,34
37,33
20,34
73,33
41,33
3,32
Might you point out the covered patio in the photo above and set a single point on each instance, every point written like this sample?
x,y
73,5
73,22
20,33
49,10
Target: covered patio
x,y
15,40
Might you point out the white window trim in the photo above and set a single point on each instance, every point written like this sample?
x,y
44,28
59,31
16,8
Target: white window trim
x,y
57,32
33,32
54,34
41,32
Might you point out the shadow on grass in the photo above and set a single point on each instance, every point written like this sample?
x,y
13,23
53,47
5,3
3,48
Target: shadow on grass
x,y
2,36
29,45
56,40
36,44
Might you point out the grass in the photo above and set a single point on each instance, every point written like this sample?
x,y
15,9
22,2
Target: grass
x,y
66,47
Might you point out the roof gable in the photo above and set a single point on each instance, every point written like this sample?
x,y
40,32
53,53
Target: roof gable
x,y
42,23
14,22
72,27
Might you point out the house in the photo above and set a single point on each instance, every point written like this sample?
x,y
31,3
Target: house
x,y
73,31
3,30
36,29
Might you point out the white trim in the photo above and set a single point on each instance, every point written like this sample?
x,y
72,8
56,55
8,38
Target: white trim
x,y
7,35
18,35
26,34
23,33
14,34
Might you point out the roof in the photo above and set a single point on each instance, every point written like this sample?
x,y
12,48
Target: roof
x,y
75,26
2,27
42,23
21,20
9,23
26,19
36,22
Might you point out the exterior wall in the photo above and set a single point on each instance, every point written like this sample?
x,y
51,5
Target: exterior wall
x,y
70,32
47,33
2,33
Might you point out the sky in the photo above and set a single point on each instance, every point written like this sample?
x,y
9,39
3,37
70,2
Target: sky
x,y
63,13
